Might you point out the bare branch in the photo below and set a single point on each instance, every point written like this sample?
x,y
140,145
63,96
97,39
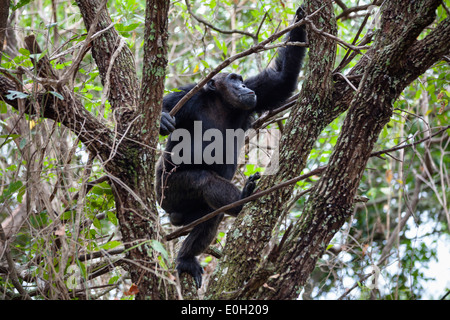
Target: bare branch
x,y
254,49
254,196
206,23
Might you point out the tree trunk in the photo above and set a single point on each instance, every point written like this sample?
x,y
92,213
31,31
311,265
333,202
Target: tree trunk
x,y
131,169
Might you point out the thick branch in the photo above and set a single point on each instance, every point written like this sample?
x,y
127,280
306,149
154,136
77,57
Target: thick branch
x,y
424,53
69,111
153,73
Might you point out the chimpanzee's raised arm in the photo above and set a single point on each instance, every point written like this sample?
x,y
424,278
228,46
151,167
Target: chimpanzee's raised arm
x,y
278,81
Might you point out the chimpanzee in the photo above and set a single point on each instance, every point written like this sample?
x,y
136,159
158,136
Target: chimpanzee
x,y
191,189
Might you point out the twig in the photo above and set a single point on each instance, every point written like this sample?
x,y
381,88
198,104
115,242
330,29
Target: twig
x,y
378,153
347,11
332,37
362,279
84,44
70,72
346,80
345,60
206,23
272,113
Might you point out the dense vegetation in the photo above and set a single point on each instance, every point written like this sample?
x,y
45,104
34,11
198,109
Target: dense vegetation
x,y
80,104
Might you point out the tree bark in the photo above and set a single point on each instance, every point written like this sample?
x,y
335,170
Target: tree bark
x,y
4,13
115,62
132,170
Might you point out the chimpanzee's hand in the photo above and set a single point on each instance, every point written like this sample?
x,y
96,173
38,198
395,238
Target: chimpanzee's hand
x,y
167,124
250,185
300,14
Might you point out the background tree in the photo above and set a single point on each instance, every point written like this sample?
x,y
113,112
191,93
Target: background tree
x,y
82,90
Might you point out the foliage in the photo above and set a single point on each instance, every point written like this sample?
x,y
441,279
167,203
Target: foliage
x,y
45,173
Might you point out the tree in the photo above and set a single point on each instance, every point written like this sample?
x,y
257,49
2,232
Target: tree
x,y
85,147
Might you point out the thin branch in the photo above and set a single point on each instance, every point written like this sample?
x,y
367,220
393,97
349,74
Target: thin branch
x,y
378,153
347,11
69,75
272,113
332,37
348,81
254,196
206,23
345,60
181,231
254,49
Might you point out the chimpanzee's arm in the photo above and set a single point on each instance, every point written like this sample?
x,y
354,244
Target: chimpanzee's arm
x,y
279,80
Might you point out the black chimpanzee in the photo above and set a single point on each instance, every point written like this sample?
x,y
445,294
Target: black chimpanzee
x,y
188,191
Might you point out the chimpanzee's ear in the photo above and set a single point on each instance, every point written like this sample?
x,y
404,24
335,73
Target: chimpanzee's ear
x,y
211,85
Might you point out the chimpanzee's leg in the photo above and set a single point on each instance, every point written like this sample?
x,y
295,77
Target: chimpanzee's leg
x,y
188,196
198,240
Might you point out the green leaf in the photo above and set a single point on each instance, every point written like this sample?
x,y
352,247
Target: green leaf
x,y
12,95
205,64
12,188
111,245
58,95
126,28
113,280
3,108
67,215
97,223
20,194
112,218
8,138
20,4
157,246
102,189
24,52
38,56
162,263
82,268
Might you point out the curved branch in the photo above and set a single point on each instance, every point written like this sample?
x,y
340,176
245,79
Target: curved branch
x,y
206,23
254,196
